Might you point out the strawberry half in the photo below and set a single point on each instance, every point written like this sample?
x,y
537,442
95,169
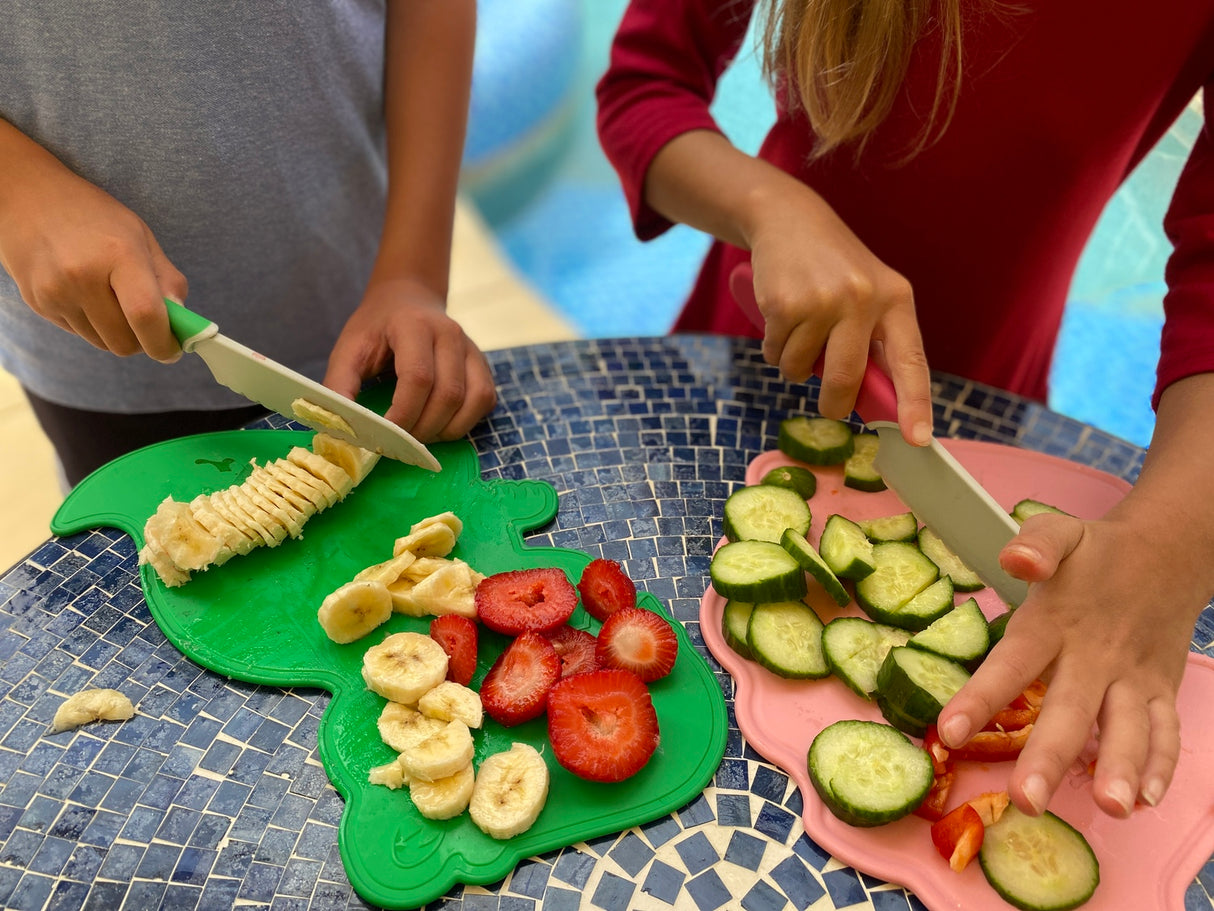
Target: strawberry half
x,y
525,599
605,588
458,637
516,688
576,648
637,640
602,724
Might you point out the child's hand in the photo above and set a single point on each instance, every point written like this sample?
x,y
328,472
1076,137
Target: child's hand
x,y
443,386
82,260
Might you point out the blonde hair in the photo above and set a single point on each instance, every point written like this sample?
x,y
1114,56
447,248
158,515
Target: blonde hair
x,y
844,62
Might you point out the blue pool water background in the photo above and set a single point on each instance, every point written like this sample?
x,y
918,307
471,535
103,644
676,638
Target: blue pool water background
x,y
560,216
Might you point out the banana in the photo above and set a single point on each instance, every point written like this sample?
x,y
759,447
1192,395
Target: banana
x,y
445,798
91,705
451,589
388,571
404,666
511,789
304,483
319,417
439,755
402,727
176,532
221,502
353,460
323,469
209,518
450,519
274,484
390,775
272,507
354,609
254,518
286,509
451,701
166,569
436,540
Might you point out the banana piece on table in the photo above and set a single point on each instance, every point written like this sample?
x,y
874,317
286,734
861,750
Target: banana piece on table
x,y
91,705
391,775
451,701
353,460
354,610
324,470
402,727
440,755
511,790
445,798
404,667
176,532
388,571
450,519
168,571
451,589
436,540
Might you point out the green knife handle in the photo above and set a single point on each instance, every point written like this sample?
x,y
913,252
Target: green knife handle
x,y
188,326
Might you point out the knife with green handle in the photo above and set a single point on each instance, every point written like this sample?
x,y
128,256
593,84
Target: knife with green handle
x,y
928,479
269,383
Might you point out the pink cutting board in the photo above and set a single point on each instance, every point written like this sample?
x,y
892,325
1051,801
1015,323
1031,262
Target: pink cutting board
x,y
1146,862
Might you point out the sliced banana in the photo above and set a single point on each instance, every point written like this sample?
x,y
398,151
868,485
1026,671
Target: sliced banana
x,y
451,589
178,534
91,705
450,519
388,571
404,666
354,610
353,460
323,469
445,798
303,482
168,571
451,701
221,502
402,727
210,518
511,790
390,775
435,540
253,517
440,755
320,417
288,520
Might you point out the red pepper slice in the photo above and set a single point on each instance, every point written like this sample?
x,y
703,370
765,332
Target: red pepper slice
x,y
994,746
936,800
958,836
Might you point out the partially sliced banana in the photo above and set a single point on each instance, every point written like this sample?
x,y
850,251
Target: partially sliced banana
x,y
284,491
404,666
353,460
92,705
451,589
451,701
445,798
511,790
221,502
440,755
323,469
254,517
402,727
178,534
213,521
287,520
354,610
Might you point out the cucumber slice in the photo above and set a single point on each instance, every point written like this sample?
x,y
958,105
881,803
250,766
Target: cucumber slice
x,y
1030,507
786,638
815,441
921,611
854,649
915,727
794,477
756,571
900,572
1038,863
846,549
868,773
763,511
901,527
803,552
996,628
961,634
964,578
735,617
917,684
858,470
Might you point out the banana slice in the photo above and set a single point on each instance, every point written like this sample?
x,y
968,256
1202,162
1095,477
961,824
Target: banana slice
x,y
354,610
451,589
451,701
404,666
303,482
91,705
440,755
253,517
168,571
436,540
221,502
450,519
273,508
323,469
210,518
353,460
390,775
402,727
388,571
320,417
270,485
445,798
511,789
177,533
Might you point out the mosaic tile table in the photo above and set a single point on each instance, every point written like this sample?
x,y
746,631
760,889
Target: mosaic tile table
x,y
214,797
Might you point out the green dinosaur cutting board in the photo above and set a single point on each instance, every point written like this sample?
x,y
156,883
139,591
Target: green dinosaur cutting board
x,y
254,619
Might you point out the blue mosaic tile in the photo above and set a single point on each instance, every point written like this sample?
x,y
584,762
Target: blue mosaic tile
x,y
708,891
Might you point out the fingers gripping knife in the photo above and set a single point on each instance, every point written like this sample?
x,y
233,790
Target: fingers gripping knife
x,y
268,383
928,479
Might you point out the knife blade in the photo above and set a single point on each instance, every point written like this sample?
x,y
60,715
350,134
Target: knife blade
x,y
937,488
262,380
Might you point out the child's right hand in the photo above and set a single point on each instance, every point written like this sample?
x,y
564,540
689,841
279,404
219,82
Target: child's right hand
x,y
80,258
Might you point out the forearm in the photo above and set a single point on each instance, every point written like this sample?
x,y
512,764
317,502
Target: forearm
x,y
427,84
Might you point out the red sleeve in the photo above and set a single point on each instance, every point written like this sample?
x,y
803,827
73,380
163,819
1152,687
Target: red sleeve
x,y
665,62
1187,343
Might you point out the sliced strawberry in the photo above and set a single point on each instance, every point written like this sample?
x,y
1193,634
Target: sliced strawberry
x,y
637,640
605,588
525,599
516,688
602,724
458,637
576,648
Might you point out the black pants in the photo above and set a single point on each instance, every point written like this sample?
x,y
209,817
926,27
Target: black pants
x,y
86,440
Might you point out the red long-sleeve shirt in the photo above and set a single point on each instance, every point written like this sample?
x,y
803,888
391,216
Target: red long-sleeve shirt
x,y
1058,103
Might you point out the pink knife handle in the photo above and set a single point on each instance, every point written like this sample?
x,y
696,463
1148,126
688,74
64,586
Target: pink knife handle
x,y
876,400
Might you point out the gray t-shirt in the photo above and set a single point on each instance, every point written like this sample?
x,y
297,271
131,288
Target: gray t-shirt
x,y
248,134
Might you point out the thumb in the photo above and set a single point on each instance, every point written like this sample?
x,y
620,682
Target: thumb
x,y
1043,543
